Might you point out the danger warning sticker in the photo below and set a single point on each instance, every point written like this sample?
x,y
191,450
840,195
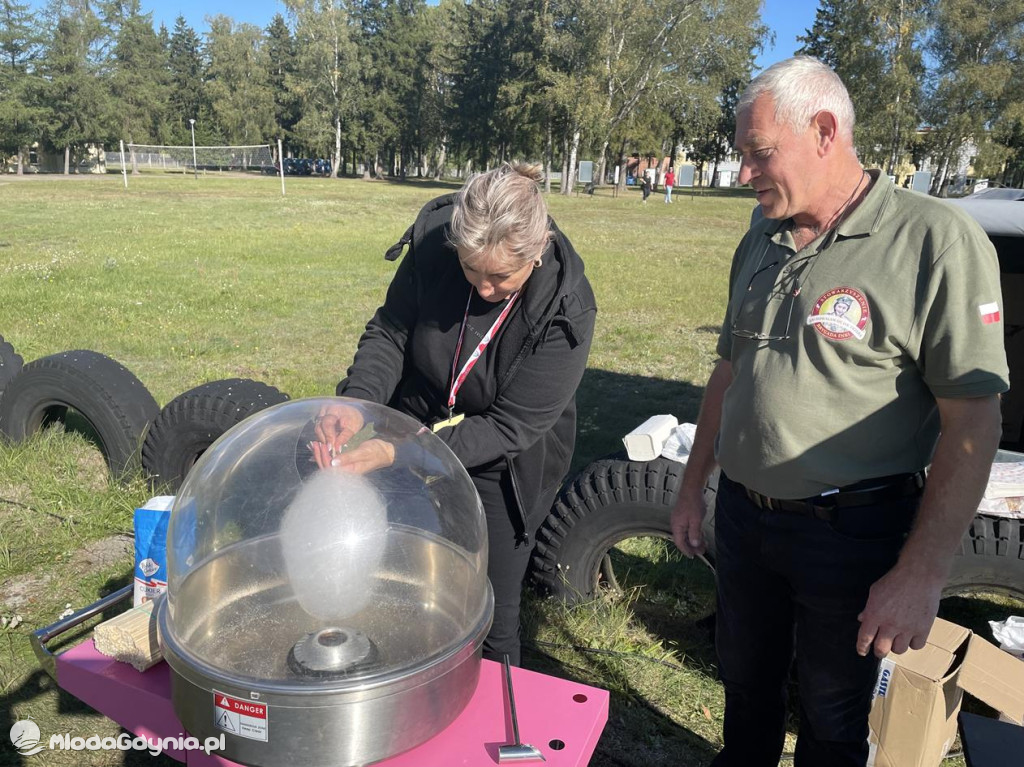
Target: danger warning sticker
x,y
240,717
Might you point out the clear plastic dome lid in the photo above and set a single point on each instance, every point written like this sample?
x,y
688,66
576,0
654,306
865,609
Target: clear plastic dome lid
x,y
285,573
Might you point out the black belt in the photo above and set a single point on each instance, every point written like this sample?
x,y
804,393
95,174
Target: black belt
x,y
865,493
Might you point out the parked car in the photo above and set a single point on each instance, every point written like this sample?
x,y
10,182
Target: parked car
x,y
297,166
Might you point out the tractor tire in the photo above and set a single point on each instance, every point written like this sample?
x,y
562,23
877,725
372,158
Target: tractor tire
x,y
193,421
614,499
611,500
990,558
10,364
116,405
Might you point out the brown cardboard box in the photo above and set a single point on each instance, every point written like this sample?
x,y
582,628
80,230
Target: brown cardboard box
x,y
918,695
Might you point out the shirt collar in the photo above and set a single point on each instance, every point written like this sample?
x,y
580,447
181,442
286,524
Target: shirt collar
x,y
863,220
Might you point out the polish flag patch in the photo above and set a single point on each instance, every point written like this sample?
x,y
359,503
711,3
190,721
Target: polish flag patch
x,y
989,313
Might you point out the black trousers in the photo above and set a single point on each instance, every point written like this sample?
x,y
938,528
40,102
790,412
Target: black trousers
x,y
507,559
792,586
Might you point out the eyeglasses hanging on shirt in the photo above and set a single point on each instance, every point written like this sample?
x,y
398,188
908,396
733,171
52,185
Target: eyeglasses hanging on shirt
x,y
789,289
789,294
797,263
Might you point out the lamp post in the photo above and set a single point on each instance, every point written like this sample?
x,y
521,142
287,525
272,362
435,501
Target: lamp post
x,y
192,127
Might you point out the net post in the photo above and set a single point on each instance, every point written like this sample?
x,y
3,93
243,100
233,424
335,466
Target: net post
x,y
124,171
280,164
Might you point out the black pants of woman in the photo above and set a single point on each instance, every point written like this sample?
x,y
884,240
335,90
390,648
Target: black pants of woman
x,y
507,559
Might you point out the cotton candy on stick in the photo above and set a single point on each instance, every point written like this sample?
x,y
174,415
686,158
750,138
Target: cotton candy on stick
x,y
332,537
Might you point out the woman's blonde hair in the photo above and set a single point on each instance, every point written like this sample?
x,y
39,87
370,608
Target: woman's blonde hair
x,y
502,211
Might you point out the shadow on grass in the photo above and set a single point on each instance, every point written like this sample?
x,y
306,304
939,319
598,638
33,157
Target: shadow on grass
x,y
441,186
636,731
39,683
610,405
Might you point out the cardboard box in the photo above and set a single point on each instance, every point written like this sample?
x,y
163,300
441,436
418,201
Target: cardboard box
x,y
918,695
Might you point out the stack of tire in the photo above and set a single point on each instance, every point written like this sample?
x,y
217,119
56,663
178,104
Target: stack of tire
x,y
130,429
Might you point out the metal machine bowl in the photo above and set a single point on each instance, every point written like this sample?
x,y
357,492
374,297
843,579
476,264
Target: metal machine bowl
x,y
387,660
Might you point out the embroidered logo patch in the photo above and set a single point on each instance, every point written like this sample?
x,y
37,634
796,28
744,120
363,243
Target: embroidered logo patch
x,y
840,313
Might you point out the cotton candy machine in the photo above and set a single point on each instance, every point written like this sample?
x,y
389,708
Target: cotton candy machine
x,y
320,616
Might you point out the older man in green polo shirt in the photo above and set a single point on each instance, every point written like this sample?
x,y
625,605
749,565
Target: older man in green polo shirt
x,y
855,352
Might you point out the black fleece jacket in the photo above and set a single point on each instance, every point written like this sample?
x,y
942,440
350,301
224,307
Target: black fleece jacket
x,y
519,401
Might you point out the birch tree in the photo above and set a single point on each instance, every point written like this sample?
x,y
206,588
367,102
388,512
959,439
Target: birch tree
x,y
326,76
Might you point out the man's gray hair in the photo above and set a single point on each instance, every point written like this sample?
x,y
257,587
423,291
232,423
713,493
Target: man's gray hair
x,y
502,211
801,87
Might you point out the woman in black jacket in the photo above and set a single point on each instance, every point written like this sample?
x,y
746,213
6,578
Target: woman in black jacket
x,y
487,270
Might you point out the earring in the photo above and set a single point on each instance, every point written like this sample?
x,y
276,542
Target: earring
x,y
539,262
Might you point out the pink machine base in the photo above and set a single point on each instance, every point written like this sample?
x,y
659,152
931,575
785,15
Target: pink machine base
x,y
562,719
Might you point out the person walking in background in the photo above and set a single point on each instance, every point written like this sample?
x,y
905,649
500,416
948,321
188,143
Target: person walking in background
x,y
670,181
645,186
857,349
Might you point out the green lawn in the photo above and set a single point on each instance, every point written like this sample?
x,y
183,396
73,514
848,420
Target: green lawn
x,y
187,281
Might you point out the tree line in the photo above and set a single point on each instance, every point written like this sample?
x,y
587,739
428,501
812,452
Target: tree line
x,y
933,79
399,87
387,86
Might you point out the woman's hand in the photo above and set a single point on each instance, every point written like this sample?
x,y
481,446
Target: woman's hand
x,y
335,425
369,456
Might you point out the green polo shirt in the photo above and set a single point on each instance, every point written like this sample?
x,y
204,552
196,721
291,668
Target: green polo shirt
x,y
867,326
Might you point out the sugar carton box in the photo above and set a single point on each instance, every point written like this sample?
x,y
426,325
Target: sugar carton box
x,y
151,548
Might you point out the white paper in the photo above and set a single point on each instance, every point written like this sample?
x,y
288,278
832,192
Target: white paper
x,y
1009,634
680,442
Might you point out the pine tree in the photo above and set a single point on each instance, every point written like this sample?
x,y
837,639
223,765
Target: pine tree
x,y
78,110
140,81
186,96
388,97
20,86
281,54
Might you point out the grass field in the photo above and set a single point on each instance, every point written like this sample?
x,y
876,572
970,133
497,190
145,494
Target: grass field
x,y
187,281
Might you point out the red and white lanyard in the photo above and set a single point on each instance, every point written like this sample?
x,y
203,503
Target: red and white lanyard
x,y
457,380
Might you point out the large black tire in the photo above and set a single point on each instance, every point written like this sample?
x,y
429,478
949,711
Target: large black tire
x,y
116,405
10,364
614,499
193,421
609,501
991,558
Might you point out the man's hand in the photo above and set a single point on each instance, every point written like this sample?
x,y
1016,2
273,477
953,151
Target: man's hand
x,y
687,517
901,608
902,604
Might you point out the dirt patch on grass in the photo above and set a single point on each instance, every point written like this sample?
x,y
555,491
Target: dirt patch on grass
x,y
24,590
15,496
104,554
